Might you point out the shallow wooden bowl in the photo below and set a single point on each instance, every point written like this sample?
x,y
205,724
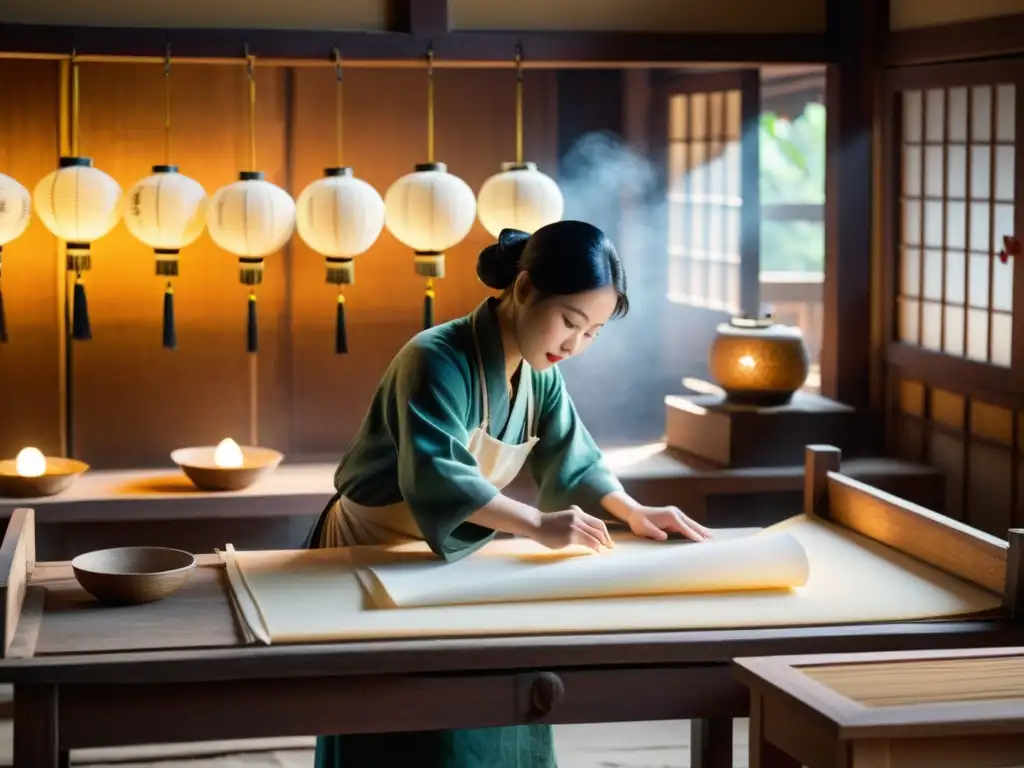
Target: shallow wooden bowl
x,y
60,474
199,467
132,575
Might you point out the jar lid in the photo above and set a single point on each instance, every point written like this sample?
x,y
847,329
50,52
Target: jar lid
x,y
758,327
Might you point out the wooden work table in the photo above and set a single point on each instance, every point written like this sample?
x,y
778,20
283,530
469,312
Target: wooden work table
x,y
183,670
107,508
912,709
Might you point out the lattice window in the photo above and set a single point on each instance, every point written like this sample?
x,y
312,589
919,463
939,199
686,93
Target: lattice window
x,y
705,199
957,203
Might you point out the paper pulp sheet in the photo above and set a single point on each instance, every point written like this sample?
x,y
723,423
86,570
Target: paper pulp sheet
x,y
773,561
319,596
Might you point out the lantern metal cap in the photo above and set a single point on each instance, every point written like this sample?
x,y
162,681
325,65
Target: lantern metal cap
x,y
442,167
76,162
338,171
525,166
250,176
165,169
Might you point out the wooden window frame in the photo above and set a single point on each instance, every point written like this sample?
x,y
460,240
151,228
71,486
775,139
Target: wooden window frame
x,y
991,383
747,82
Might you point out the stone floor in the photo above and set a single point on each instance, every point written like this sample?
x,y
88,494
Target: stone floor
x,y
662,744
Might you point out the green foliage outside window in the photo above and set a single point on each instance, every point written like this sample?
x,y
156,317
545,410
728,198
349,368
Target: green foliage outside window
x,y
793,172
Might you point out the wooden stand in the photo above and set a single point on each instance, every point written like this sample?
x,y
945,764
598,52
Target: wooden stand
x,y
955,708
747,436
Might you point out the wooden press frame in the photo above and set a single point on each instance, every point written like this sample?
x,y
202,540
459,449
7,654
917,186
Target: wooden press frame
x,y
941,541
947,544
353,687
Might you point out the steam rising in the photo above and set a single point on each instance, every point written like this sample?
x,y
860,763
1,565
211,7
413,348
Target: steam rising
x,y
619,385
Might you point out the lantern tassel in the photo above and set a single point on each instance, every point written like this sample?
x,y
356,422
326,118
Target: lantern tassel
x,y
81,329
340,332
170,333
252,331
428,305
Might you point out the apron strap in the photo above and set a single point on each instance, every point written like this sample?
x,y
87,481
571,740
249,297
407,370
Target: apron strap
x,y
485,407
526,378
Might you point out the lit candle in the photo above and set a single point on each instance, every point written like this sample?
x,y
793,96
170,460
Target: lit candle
x,y
30,462
228,455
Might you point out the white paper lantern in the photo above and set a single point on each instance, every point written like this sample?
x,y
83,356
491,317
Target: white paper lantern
x,y
15,209
339,217
520,197
252,219
79,204
167,212
429,210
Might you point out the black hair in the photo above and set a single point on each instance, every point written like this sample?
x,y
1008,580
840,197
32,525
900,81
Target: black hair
x,y
562,258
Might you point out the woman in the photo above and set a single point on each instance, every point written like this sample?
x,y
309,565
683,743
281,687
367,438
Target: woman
x,y
460,410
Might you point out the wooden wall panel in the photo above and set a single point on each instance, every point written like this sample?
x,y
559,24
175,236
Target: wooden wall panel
x,y
133,400
30,363
385,131
976,444
640,15
911,14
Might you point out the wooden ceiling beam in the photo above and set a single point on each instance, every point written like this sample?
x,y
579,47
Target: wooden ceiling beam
x,y
425,27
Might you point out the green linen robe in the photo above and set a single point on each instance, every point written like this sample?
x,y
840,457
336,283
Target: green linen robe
x,y
412,447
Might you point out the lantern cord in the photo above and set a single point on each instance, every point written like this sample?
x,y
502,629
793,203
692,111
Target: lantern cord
x,y
167,106
338,100
519,105
430,105
81,329
74,105
250,70
3,316
428,305
170,333
340,331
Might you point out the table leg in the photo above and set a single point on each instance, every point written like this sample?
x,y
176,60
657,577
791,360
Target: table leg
x,y
711,743
764,754
35,728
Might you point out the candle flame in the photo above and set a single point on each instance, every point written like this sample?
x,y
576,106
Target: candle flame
x,y
30,462
228,455
748,362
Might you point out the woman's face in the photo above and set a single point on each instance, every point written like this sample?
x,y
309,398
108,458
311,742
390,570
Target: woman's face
x,y
555,328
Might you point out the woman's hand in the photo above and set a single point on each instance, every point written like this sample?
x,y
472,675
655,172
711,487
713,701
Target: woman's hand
x,y
657,522
652,522
572,526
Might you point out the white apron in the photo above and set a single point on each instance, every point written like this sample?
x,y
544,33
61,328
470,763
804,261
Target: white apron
x,y
349,524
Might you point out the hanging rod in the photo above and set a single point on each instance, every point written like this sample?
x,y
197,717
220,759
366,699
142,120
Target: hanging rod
x,y
240,61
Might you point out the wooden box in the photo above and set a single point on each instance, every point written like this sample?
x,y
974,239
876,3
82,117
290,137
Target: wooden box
x,y
728,435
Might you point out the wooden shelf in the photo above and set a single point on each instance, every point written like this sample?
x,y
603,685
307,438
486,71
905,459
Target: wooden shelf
x,y
653,472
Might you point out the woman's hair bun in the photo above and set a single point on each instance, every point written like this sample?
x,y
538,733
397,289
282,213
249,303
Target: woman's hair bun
x,y
498,264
